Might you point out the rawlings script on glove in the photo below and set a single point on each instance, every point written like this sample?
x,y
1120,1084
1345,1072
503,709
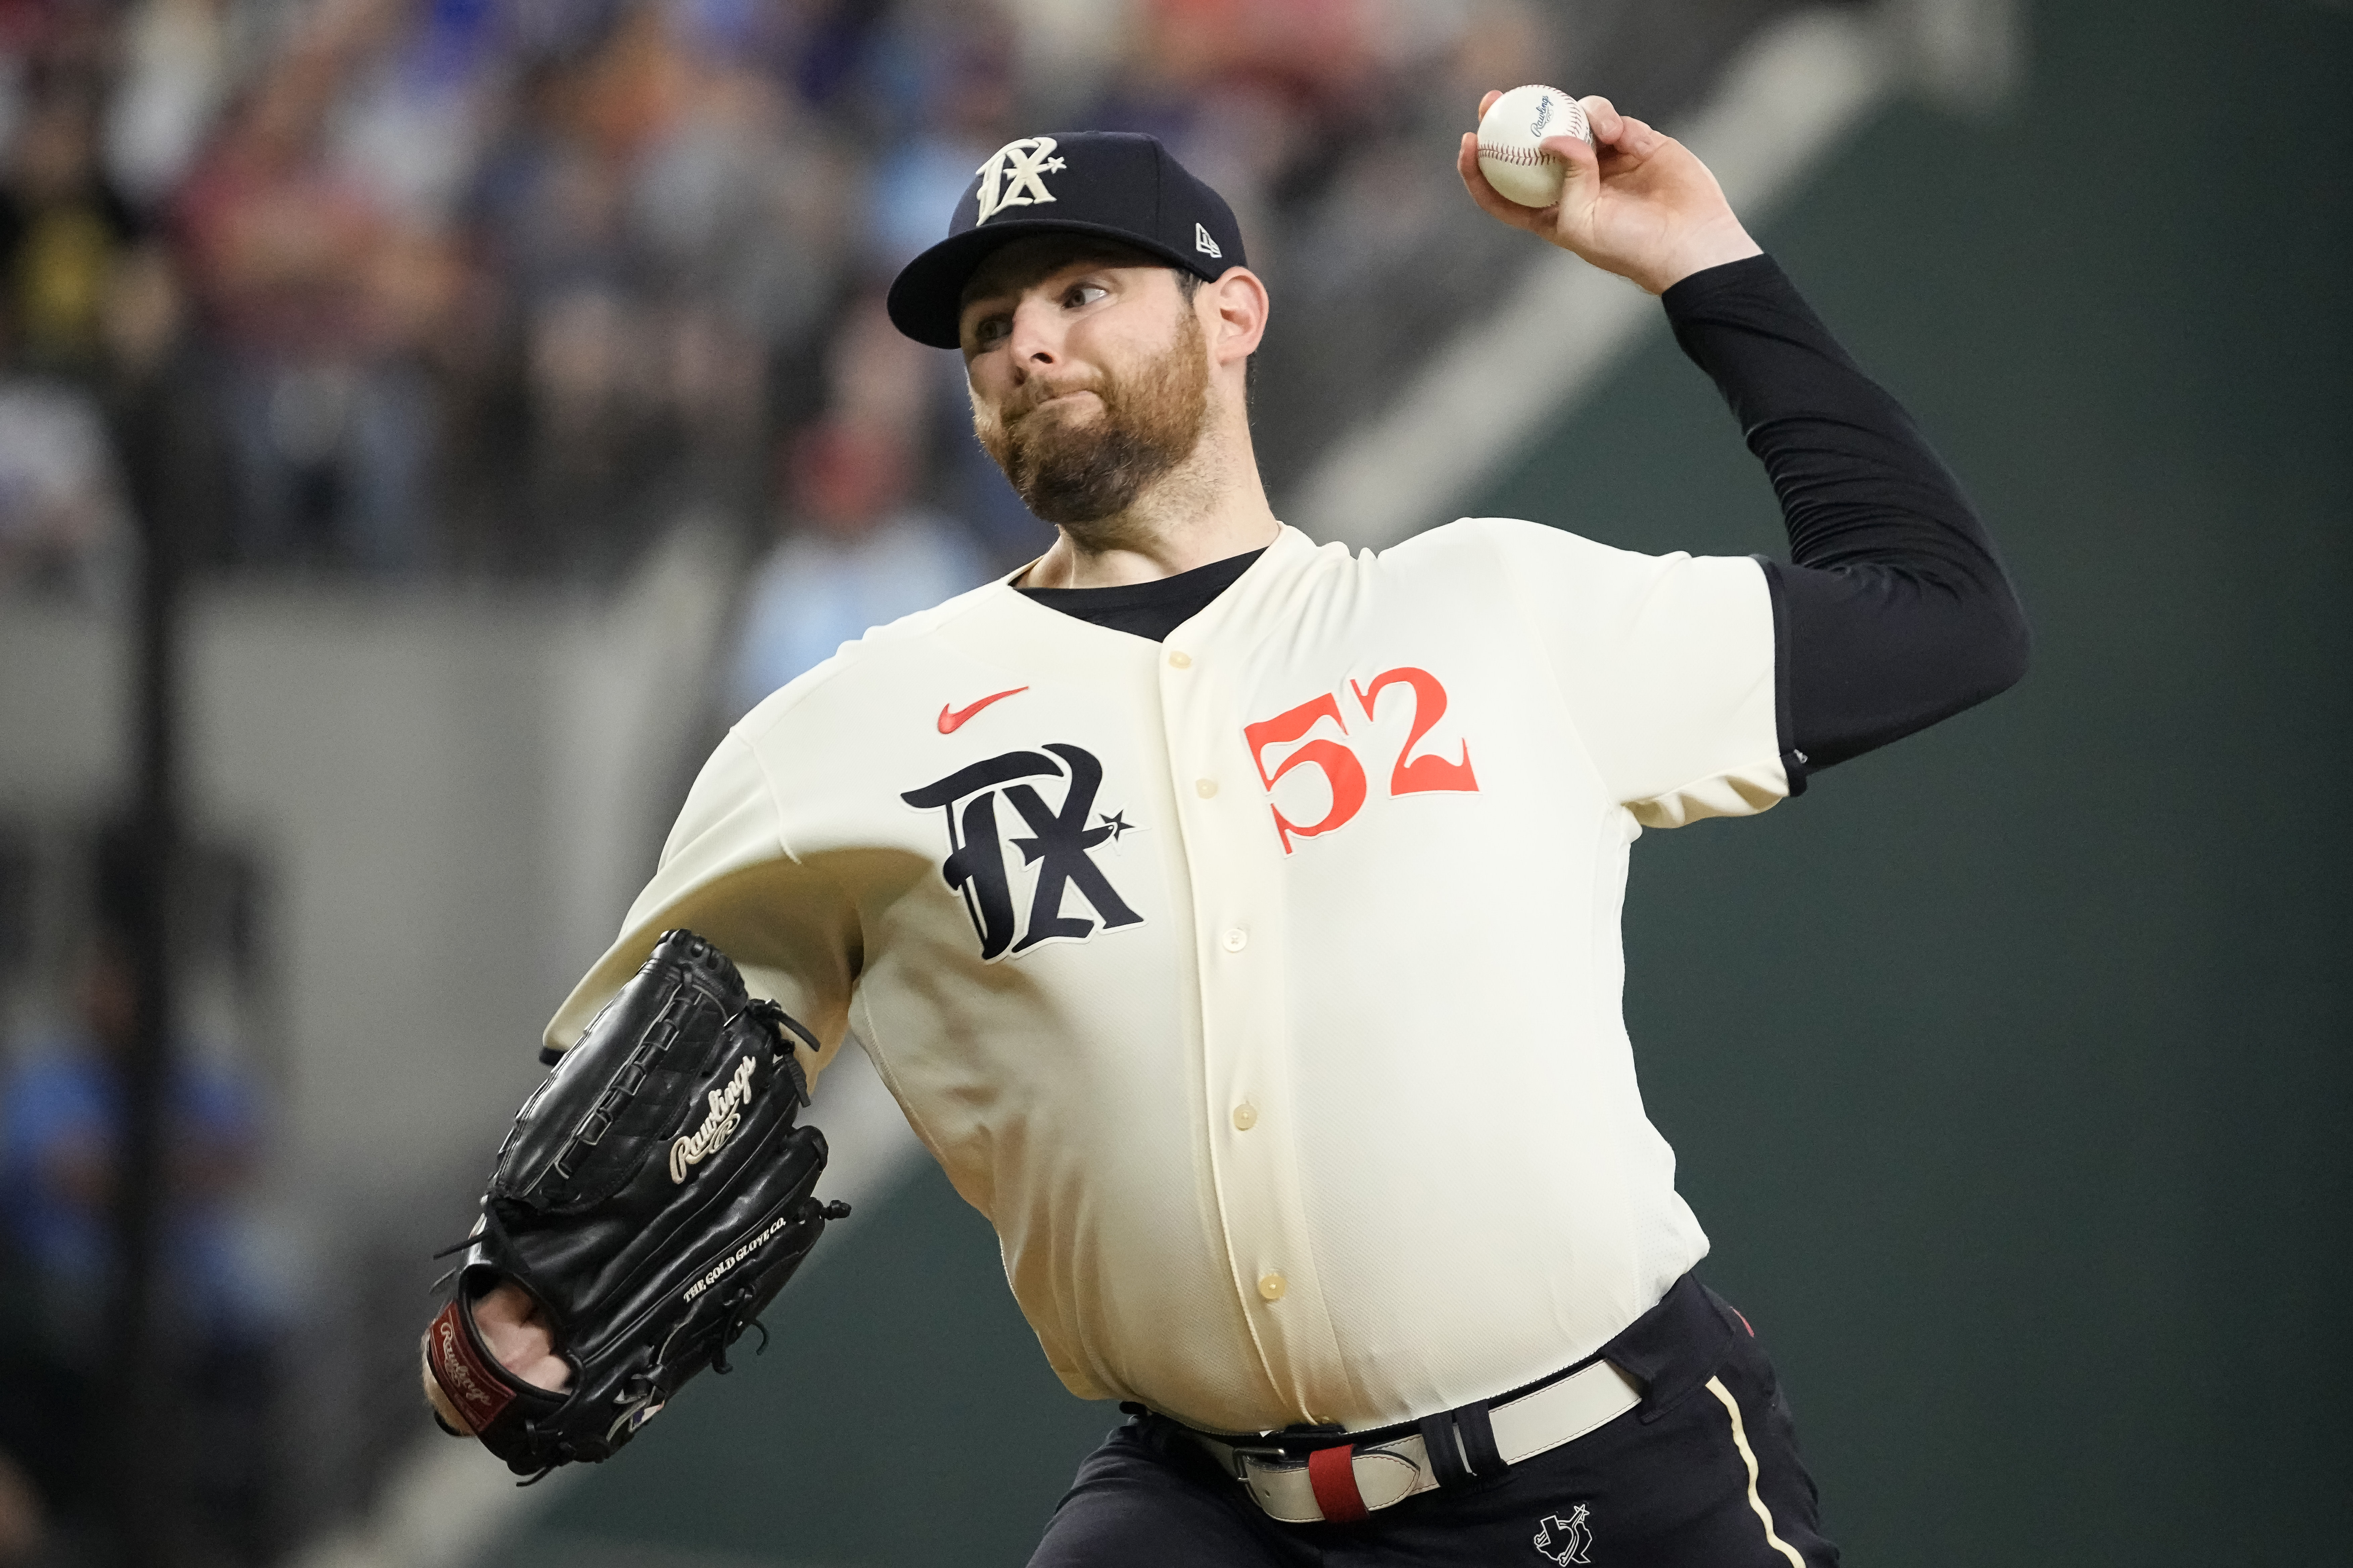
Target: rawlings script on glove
x,y
652,1199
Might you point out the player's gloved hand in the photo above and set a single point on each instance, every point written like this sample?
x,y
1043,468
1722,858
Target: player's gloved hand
x,y
653,1196
1636,202
517,1332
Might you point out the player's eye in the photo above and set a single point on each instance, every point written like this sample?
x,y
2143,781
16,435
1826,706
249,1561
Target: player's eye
x,y
990,330
1083,294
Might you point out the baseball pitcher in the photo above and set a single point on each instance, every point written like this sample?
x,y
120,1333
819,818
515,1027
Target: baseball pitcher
x,y
1236,920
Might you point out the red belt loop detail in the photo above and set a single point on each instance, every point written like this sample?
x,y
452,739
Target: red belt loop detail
x,y
1331,1472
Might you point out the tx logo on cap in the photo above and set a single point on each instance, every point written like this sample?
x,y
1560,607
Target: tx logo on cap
x,y
1015,176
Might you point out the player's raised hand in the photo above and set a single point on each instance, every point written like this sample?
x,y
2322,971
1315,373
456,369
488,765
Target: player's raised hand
x,y
1635,202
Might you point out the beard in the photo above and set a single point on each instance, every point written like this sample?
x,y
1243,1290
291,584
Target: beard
x,y
1074,472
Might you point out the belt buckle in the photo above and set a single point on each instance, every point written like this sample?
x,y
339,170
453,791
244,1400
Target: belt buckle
x,y
1273,1456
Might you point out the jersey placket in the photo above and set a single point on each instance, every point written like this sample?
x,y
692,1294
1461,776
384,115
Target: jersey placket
x,y
1241,940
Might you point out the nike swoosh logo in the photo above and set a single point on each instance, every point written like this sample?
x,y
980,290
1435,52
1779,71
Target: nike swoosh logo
x,y
952,719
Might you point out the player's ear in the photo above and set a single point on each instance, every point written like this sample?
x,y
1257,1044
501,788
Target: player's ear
x,y
1238,308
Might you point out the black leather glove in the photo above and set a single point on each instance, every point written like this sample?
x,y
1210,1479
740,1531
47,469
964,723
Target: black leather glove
x,y
653,1198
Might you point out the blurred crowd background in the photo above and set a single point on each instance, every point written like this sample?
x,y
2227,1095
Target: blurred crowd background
x,y
469,289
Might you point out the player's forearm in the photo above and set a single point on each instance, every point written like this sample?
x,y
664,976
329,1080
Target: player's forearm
x,y
1856,480
1894,611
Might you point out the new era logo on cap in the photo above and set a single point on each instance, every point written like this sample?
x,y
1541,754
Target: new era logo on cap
x,y
1111,185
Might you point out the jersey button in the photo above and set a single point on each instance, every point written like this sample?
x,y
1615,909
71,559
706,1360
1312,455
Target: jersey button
x,y
1236,940
1272,1286
1180,659
1245,1116
1204,788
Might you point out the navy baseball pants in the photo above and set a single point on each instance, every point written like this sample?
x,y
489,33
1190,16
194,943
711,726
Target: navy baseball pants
x,y
1703,1473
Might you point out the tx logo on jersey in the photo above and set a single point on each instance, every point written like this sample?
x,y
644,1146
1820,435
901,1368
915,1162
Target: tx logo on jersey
x,y
1015,177
1058,844
1564,1540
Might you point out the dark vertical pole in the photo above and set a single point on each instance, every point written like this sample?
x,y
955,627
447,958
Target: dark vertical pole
x,y
139,1442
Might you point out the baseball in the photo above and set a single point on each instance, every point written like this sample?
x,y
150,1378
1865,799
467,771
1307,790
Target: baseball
x,y
1508,134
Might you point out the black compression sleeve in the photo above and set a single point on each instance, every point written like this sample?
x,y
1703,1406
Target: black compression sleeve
x,y
1893,610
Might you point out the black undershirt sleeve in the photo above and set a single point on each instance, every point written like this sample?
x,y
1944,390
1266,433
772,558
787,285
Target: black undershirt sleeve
x,y
1892,611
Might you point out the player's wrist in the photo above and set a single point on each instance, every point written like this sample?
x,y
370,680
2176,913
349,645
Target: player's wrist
x,y
1714,244
445,1409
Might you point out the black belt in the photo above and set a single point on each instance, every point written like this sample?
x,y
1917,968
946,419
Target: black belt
x,y
1303,1476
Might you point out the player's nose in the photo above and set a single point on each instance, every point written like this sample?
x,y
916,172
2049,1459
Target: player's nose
x,y
1035,338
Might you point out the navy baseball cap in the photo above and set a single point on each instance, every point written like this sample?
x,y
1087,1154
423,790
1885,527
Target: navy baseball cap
x,y
1117,184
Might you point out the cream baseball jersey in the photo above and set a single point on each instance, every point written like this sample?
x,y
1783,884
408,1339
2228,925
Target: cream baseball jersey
x,y
1260,985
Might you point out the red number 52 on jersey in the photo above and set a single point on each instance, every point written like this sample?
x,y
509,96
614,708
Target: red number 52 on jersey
x,y
1337,761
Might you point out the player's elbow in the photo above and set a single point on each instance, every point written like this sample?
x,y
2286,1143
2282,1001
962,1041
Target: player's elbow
x,y
1985,650
2004,639
1979,630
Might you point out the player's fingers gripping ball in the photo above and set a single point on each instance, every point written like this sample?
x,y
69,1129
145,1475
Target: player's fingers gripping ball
x,y
1509,134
